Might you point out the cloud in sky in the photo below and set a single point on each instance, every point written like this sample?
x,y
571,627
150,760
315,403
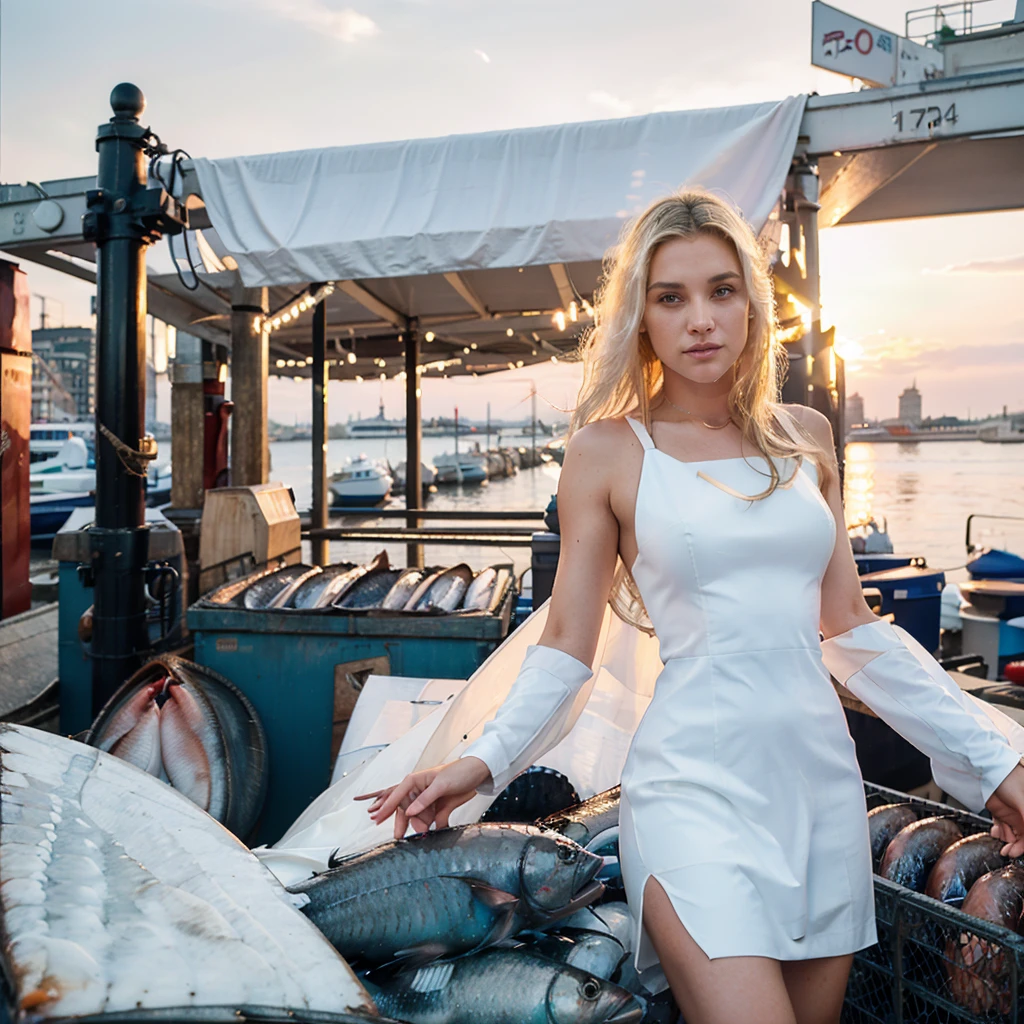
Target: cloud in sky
x,y
1002,265
346,25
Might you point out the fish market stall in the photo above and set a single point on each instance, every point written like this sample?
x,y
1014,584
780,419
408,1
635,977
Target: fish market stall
x,y
300,641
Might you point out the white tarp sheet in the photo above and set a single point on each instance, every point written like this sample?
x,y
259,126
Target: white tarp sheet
x,y
595,740
555,194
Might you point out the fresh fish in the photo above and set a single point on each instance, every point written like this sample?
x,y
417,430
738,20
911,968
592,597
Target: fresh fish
x,y
320,590
120,899
479,592
398,596
379,564
134,732
232,592
263,592
587,821
445,593
502,986
598,953
916,848
883,824
284,598
370,591
980,978
430,577
193,729
448,891
611,918
961,865
531,795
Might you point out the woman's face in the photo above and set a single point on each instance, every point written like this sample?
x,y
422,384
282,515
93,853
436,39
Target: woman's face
x,y
696,315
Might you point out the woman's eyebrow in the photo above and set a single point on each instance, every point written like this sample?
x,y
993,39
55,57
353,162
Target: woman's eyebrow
x,y
724,276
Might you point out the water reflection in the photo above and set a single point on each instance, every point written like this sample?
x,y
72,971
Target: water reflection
x,y
859,483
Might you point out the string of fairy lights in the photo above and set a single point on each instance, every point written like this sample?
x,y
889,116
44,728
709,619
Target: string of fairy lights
x,y
292,310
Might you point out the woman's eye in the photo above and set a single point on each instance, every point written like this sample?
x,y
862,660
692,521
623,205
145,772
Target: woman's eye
x,y
724,288
665,298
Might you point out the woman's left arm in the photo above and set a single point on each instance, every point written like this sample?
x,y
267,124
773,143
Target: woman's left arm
x,y
974,748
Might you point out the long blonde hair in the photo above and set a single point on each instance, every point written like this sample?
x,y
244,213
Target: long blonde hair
x,y
622,374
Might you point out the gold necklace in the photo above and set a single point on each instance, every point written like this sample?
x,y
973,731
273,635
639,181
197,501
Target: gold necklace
x,y
710,426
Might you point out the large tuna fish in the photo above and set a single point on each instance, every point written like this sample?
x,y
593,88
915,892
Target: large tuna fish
x,y
264,591
449,891
504,986
588,821
192,728
883,824
980,978
445,592
914,851
121,900
961,865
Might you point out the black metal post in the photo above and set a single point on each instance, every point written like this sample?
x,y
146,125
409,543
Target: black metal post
x,y
413,440
124,217
318,517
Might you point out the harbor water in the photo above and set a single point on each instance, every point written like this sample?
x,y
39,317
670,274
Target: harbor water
x,y
924,490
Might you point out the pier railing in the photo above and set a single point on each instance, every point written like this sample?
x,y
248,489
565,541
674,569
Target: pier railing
x,y
503,535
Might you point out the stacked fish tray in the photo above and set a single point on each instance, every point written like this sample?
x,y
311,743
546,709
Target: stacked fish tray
x,y
936,963
300,641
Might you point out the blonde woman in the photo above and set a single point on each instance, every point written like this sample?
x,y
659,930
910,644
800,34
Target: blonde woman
x,y
744,843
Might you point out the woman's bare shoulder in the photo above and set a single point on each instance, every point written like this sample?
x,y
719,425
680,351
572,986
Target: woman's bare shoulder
x,y
815,423
596,443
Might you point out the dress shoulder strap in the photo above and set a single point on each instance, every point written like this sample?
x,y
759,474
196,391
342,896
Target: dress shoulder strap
x,y
641,432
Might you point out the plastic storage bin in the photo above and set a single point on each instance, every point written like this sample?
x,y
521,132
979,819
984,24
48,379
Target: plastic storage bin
x,y
913,595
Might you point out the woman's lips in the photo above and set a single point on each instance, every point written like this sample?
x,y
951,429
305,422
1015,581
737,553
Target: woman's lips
x,y
703,353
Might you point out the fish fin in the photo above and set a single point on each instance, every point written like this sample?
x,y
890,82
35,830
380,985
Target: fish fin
x,y
433,977
416,957
488,895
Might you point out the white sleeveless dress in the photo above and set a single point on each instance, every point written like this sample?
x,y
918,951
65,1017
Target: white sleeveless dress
x,y
741,793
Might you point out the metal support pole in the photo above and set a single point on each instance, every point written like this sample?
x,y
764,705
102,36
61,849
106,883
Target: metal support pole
x,y
318,516
124,217
250,365
413,440
187,423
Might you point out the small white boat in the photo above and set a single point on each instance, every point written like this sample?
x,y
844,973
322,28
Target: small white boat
x,y
360,482
428,475
468,468
72,469
46,439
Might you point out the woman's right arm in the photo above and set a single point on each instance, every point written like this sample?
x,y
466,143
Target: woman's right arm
x,y
554,669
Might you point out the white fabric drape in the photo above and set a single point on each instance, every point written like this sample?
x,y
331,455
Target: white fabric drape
x,y
555,194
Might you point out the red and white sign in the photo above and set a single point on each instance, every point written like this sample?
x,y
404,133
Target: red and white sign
x,y
852,47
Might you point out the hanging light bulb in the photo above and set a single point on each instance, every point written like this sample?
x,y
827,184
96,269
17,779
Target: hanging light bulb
x,y
351,357
429,336
466,350
291,362
509,332
280,364
559,320
573,311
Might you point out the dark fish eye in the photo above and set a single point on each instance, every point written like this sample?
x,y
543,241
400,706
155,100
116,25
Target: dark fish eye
x,y
566,854
590,989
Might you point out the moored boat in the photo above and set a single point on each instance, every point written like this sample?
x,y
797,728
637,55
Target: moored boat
x,y
361,481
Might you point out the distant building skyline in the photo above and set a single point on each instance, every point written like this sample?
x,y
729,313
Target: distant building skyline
x,y
910,405
854,410
65,387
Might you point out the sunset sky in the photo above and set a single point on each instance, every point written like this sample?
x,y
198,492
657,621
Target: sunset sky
x,y
936,300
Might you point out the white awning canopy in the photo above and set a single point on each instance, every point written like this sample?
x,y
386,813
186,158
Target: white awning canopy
x,y
530,197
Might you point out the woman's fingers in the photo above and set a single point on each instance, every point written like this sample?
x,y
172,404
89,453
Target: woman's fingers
x,y
434,791
368,796
395,798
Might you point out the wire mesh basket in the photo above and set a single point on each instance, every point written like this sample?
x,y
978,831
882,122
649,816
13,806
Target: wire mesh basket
x,y
933,964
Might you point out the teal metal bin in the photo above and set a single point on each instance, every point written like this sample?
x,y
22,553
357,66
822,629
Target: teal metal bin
x,y
302,671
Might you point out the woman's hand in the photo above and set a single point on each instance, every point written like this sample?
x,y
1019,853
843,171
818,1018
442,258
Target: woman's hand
x,y
1007,807
428,796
